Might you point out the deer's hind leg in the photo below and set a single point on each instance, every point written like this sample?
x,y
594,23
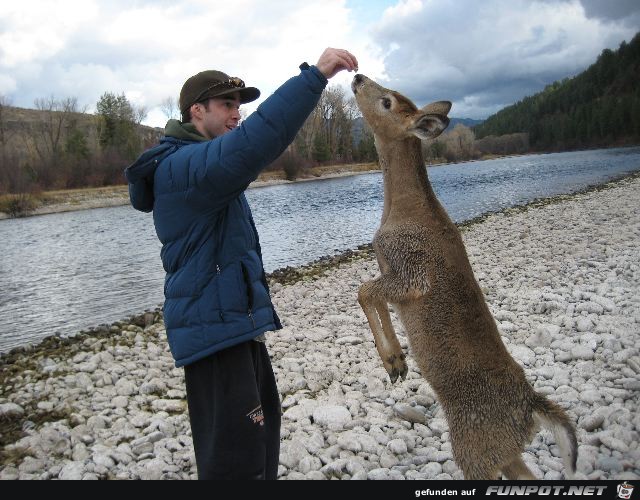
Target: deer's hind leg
x,y
374,297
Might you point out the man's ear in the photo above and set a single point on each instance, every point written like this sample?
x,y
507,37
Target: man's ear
x,y
428,126
196,110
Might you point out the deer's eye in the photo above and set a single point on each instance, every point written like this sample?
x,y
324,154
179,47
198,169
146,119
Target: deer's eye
x,y
386,102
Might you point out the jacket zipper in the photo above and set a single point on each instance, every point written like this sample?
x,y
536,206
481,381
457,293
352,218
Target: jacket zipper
x,y
219,304
247,280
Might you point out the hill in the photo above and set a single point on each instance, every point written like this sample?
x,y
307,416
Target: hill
x,y
358,125
599,107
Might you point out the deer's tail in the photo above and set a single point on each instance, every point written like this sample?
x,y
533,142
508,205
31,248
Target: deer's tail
x,y
549,415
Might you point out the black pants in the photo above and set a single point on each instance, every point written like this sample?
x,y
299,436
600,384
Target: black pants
x,y
234,409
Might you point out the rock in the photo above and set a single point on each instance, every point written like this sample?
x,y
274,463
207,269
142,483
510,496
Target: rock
x,y
523,354
584,324
292,452
308,464
582,352
155,469
438,426
348,441
303,409
397,447
609,464
590,396
169,405
318,378
125,388
10,410
349,340
613,443
592,422
378,475
542,336
72,471
409,413
388,460
333,417
432,470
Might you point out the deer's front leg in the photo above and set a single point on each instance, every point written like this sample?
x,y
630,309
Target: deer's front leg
x,y
373,297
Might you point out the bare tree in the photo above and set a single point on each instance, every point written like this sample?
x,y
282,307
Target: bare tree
x,y
139,114
170,108
459,143
4,103
5,172
47,137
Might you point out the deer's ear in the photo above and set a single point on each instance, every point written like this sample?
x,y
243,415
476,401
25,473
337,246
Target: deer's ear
x,y
437,108
428,126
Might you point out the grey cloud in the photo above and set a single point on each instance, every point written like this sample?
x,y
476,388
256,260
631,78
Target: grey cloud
x,y
476,54
611,9
625,11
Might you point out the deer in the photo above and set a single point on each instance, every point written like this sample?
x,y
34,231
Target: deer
x,y
491,409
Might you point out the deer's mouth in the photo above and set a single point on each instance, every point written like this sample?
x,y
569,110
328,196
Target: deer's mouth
x,y
357,82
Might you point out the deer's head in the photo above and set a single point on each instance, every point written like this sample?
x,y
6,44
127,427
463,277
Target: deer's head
x,y
393,117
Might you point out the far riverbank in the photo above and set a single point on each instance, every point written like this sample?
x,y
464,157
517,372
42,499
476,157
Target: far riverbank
x,y
70,200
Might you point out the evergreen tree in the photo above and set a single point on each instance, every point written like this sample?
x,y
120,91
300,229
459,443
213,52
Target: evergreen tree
x,y
596,108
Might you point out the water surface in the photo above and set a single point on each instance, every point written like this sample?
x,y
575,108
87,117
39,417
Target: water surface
x,y
62,273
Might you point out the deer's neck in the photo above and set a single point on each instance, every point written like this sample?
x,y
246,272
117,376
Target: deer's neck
x,y
406,184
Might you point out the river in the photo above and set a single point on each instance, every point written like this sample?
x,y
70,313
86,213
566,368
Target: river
x,y
62,273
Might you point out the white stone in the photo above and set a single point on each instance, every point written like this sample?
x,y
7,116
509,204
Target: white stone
x,y
168,405
584,324
409,413
590,397
72,471
522,354
349,441
125,388
582,352
378,475
334,417
438,426
432,470
292,452
10,410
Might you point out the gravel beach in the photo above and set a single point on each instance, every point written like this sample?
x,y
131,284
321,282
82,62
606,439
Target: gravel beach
x,y
561,277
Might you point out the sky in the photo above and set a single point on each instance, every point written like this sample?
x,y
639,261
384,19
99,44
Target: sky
x,y
481,55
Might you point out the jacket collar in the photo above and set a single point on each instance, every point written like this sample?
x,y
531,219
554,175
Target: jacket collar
x,y
186,132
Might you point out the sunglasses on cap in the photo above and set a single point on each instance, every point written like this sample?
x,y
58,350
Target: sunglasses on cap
x,y
232,83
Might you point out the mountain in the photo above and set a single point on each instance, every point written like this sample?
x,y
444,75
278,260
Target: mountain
x,y
467,122
358,125
599,107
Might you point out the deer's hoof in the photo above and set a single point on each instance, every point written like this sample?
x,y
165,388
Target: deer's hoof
x,y
396,367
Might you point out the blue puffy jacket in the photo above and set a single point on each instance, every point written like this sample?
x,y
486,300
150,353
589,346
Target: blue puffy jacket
x,y
216,293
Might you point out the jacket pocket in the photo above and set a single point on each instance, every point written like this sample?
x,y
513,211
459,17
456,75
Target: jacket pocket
x,y
232,291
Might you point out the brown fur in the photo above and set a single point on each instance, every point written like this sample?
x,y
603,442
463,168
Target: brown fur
x,y
426,274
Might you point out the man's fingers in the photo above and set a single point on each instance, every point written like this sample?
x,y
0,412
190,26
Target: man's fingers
x,y
333,61
352,59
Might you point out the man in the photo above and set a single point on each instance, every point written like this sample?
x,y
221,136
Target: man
x,y
217,305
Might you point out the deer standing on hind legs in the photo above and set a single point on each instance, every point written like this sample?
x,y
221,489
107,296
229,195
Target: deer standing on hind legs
x,y
491,409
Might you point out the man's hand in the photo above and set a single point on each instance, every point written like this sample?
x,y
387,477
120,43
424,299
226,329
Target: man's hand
x,y
332,61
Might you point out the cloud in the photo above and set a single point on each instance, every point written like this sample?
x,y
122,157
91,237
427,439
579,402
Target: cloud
x,y
626,10
482,55
485,55
147,49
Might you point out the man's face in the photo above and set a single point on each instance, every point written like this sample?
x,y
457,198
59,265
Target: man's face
x,y
219,116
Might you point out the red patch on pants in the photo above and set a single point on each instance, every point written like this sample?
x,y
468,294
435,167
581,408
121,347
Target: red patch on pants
x,y
256,415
